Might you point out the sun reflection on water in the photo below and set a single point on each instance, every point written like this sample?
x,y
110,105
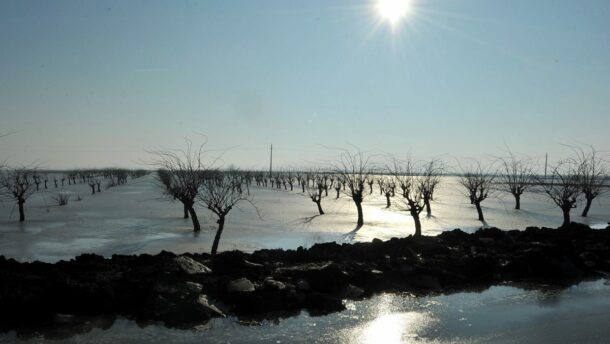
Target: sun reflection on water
x,y
390,325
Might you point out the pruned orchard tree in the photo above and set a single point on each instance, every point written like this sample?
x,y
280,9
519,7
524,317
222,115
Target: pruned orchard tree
x,y
387,189
181,172
593,173
477,181
18,184
220,193
354,168
563,186
403,174
517,176
315,194
431,175
337,184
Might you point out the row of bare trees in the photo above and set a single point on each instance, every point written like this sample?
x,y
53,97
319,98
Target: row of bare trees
x,y
584,175
20,183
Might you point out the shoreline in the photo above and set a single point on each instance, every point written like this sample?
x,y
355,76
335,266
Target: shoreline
x,y
189,289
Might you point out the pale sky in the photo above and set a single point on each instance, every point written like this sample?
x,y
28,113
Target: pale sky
x,y
97,83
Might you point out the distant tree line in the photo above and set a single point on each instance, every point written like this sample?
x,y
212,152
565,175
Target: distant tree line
x,y
19,183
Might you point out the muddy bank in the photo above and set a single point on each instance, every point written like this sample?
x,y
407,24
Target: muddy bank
x,y
183,290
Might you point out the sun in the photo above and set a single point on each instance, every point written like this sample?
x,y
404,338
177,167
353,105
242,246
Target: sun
x,y
393,10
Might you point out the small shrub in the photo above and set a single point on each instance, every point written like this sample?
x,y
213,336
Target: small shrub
x,y
62,198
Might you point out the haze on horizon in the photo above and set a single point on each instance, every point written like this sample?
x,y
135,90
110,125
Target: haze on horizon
x,y
96,84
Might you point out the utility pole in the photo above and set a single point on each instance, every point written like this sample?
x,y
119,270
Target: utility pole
x,y
271,161
546,160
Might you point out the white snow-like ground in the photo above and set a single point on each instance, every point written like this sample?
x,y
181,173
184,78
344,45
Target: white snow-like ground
x,y
134,218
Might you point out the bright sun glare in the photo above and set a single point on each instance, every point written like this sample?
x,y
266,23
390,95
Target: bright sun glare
x,y
393,10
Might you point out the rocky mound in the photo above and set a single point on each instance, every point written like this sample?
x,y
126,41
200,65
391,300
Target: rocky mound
x,y
183,290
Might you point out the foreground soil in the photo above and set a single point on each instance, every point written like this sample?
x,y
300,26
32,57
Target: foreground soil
x,y
189,289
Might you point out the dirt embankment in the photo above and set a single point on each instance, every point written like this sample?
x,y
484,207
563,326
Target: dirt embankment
x,y
182,290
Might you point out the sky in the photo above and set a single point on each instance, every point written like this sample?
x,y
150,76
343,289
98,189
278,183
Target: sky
x,y
101,83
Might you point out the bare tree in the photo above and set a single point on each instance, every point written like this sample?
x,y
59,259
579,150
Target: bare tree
x,y
431,175
387,189
182,172
220,194
18,185
337,186
354,169
91,183
593,174
563,186
403,174
477,181
315,194
516,175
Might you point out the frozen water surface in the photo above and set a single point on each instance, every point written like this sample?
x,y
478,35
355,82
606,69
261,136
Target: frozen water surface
x,y
134,218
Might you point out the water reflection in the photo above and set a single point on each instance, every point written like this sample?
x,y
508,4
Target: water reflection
x,y
395,328
498,315
390,325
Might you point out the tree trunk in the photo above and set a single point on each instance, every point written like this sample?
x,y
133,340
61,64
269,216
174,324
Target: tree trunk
x,y
360,217
428,208
21,212
196,226
517,201
415,216
479,211
303,186
92,189
387,200
221,225
339,189
186,211
319,208
566,216
585,211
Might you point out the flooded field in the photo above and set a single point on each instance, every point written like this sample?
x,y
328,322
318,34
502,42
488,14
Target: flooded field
x,y
135,218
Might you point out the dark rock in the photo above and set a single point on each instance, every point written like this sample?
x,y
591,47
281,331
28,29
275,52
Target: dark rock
x,y
191,266
321,304
240,285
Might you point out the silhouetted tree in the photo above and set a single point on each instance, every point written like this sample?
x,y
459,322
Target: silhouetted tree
x,y
91,184
354,169
387,189
516,176
563,186
36,179
477,181
593,175
18,184
220,194
183,175
337,186
315,194
431,175
403,174
370,181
